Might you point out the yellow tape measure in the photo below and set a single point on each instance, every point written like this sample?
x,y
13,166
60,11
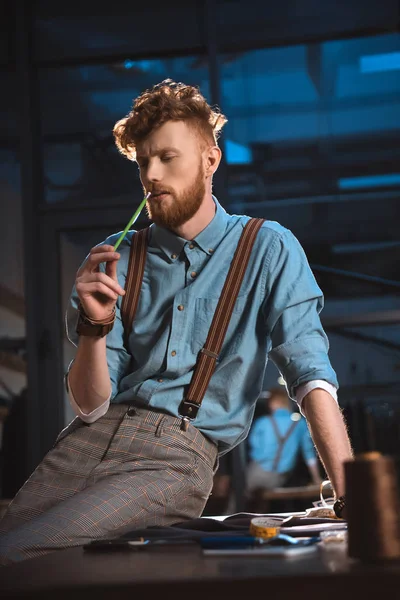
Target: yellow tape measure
x,y
264,527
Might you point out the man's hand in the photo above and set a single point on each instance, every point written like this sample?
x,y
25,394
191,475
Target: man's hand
x,y
98,292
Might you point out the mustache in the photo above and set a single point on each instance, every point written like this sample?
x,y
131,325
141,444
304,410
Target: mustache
x,y
159,190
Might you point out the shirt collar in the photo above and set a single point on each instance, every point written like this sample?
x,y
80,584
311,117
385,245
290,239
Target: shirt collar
x,y
207,240
167,241
210,237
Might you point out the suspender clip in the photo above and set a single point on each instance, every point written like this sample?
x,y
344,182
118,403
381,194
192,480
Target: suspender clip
x,y
188,411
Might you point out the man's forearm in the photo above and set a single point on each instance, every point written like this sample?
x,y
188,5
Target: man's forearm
x,y
329,434
89,378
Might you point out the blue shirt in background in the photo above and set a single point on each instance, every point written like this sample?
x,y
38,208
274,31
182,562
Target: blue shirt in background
x,y
275,315
263,443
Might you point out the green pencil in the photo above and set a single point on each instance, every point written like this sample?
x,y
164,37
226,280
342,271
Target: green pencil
x,y
132,220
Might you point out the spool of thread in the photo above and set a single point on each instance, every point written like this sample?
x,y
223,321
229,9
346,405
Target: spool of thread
x,y
373,509
264,527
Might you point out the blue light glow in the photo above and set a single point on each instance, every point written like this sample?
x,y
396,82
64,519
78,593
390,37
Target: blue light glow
x,y
128,64
369,181
142,65
237,154
375,63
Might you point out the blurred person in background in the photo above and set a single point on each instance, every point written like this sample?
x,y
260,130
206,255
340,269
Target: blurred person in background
x,y
275,442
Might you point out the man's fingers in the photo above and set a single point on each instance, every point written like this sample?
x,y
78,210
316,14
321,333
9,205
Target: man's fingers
x,y
95,258
102,248
98,287
99,277
111,269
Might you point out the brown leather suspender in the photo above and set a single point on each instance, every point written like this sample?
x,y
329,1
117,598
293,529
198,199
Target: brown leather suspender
x,y
208,355
282,439
134,278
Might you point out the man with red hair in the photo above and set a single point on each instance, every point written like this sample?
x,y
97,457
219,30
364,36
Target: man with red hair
x,y
141,452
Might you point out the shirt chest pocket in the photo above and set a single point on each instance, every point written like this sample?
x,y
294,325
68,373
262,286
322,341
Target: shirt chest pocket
x,y
204,313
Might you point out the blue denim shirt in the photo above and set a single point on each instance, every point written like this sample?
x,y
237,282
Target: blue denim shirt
x,y
263,443
276,315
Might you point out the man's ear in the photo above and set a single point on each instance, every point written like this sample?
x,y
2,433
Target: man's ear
x,y
212,159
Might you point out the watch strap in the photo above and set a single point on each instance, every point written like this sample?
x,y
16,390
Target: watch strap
x,y
91,327
339,505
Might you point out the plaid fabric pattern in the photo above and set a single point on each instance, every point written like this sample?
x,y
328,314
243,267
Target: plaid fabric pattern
x,y
133,468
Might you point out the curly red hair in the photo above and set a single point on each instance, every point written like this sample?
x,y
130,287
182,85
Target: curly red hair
x,y
167,101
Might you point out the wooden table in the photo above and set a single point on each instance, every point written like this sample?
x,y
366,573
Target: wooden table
x,y
186,574
286,498
306,492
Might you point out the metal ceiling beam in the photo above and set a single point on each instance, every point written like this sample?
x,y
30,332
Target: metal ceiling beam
x,y
361,337
352,19
379,281
368,390
48,9
246,45
334,199
385,317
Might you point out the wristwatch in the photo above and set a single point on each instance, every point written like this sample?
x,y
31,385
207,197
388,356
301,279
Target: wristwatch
x,y
92,328
339,505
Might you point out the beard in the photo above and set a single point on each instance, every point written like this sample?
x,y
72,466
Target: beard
x,y
172,214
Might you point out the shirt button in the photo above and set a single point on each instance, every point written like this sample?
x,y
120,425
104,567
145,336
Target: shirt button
x,y
191,246
174,255
180,307
193,274
160,380
173,353
211,250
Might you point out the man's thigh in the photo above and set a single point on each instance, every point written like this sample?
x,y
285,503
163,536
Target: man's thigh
x,y
64,470
151,474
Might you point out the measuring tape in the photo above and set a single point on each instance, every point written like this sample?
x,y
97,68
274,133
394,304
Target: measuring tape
x,y
264,527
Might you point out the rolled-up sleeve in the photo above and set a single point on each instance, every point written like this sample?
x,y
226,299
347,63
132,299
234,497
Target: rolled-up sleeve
x,y
293,301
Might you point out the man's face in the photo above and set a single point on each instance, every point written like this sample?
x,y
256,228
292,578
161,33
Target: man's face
x,y
171,168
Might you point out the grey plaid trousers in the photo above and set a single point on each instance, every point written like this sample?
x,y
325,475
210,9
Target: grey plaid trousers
x,y
131,469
